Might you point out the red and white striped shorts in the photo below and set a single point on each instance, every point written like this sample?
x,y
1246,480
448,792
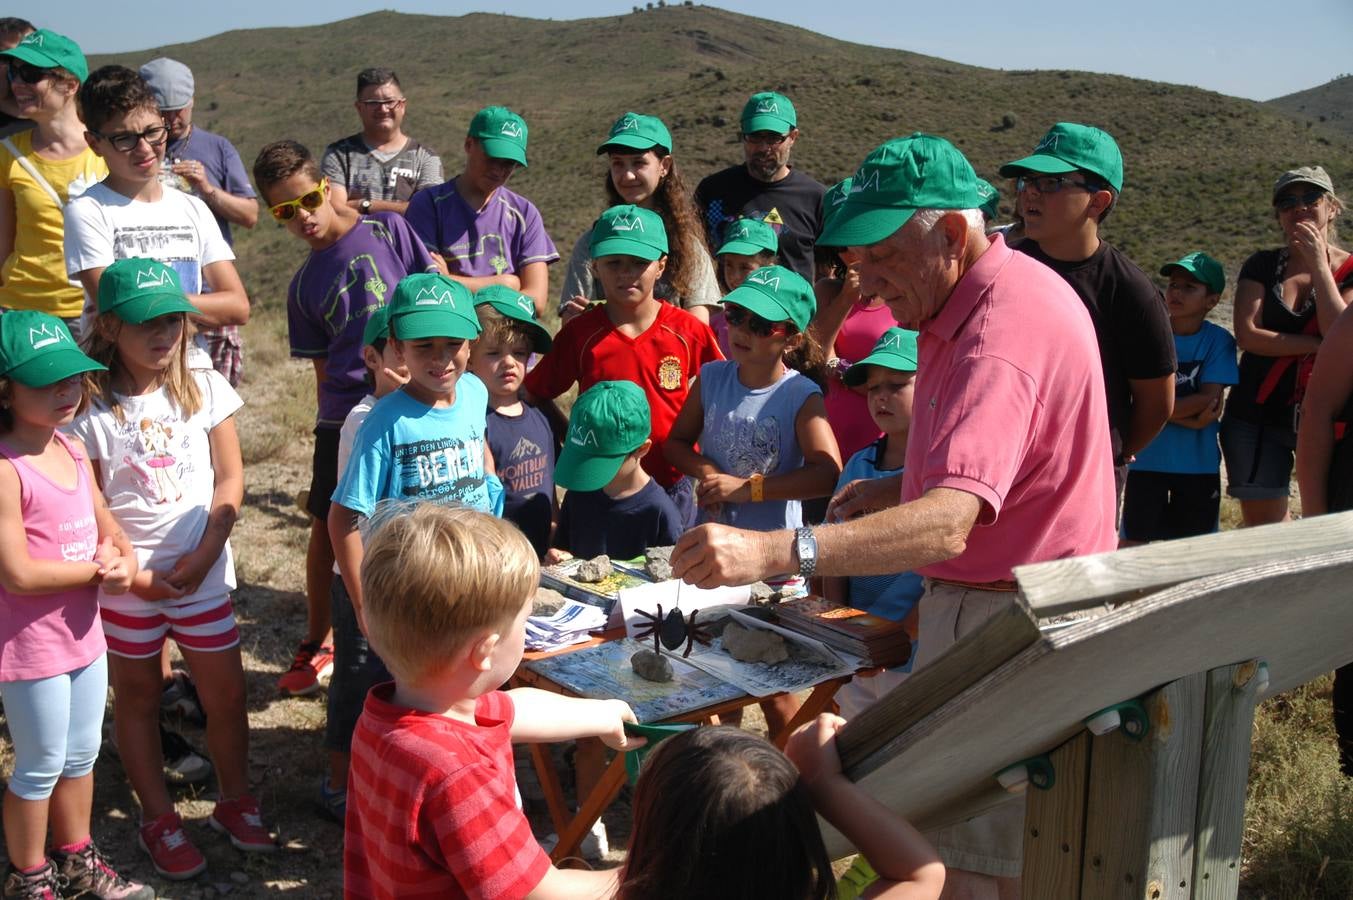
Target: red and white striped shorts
x,y
207,625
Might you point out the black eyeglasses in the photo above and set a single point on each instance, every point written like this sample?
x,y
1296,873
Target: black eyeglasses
x,y
738,317
1051,184
765,138
127,140
1289,202
26,72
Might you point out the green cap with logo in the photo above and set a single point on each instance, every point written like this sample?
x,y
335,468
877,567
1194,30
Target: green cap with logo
x,y
769,111
377,326
37,350
894,181
502,132
776,294
1202,268
629,230
138,290
634,131
610,420
748,237
431,305
49,50
1070,147
896,350
832,201
991,198
518,307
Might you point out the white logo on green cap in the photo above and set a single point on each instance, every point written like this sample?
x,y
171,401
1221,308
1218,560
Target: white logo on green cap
x,y
432,297
512,129
150,278
768,106
890,340
581,438
765,278
44,336
862,182
34,40
1049,142
739,231
628,223
525,305
629,123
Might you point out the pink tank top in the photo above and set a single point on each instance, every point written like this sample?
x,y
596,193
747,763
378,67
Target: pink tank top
x,y
847,411
42,635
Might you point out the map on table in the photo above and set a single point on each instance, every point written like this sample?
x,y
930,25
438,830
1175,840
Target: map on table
x,y
603,672
602,593
809,663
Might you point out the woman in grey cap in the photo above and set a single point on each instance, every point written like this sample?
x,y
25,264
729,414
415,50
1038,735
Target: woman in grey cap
x,y
1286,299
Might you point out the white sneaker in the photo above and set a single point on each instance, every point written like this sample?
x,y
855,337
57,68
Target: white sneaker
x,y
595,844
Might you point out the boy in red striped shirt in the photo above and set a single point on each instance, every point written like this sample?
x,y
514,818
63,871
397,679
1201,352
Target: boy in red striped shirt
x,y
432,808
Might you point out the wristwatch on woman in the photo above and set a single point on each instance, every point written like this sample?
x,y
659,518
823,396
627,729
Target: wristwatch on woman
x,y
806,545
365,205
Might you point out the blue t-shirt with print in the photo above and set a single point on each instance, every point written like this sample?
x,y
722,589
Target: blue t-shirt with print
x,y
523,453
887,596
410,452
1206,357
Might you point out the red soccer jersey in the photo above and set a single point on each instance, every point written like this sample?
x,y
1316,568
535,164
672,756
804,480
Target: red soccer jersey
x,y
432,806
662,361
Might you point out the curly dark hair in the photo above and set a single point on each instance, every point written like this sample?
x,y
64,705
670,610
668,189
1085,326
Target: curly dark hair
x,y
113,91
685,237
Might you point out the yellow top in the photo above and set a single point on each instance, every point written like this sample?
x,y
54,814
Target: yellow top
x,y
34,275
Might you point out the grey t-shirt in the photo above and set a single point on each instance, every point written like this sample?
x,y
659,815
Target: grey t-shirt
x,y
372,175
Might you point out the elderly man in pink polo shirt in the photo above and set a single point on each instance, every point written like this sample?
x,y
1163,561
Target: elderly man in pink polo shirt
x,y
1009,459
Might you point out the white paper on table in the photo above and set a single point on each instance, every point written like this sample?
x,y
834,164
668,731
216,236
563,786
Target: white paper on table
x,y
810,662
671,595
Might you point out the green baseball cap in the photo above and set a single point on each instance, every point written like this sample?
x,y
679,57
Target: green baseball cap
x,y
1202,268
899,177
609,421
776,294
37,350
896,349
49,50
832,202
749,237
502,132
635,131
1070,147
377,326
991,198
769,111
629,230
428,305
516,306
138,290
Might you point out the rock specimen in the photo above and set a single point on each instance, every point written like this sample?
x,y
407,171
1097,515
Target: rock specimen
x,y
753,644
594,570
651,666
547,602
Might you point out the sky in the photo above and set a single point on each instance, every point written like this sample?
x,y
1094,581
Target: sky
x,y
1236,47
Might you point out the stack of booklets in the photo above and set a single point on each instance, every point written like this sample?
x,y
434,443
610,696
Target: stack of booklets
x,y
880,642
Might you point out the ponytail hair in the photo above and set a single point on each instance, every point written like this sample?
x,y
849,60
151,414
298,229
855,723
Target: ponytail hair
x,y
808,359
100,345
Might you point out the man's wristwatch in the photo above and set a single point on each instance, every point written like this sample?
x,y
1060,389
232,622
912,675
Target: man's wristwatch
x,y
806,545
364,206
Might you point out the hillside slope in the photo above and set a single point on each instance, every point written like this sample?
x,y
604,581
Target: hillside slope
x,y
1331,104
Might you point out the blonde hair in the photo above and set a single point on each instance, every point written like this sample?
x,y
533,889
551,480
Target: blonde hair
x,y
434,575
497,328
178,382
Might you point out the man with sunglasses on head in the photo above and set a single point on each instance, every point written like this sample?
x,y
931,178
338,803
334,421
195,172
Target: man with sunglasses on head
x,y
132,214
765,186
1066,188
379,168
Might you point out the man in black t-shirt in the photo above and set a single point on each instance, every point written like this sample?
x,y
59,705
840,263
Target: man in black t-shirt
x,y
765,186
1066,187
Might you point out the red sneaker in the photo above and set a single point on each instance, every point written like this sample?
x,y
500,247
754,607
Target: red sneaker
x,y
312,664
170,851
240,820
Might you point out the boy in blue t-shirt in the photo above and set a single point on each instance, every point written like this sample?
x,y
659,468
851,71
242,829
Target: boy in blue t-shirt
x,y
520,438
1174,484
612,506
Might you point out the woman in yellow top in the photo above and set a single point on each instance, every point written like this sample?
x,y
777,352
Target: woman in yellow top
x,y
40,171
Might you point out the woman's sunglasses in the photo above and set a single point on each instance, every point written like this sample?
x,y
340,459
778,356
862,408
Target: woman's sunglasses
x,y
738,317
1289,202
26,72
310,201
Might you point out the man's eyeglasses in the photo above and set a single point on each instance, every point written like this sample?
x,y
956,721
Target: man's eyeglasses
x,y
1289,202
1051,184
25,72
373,105
738,317
311,200
765,138
125,141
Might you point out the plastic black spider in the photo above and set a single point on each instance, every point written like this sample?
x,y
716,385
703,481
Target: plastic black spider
x,y
670,630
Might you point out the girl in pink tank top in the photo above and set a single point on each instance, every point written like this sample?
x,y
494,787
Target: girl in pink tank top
x,y
58,543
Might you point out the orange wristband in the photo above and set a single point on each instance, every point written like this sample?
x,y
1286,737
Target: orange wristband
x,y
758,487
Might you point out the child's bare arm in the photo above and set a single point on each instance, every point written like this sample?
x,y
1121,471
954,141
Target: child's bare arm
x,y
226,303
542,717
347,544
576,884
227,495
19,572
680,444
908,866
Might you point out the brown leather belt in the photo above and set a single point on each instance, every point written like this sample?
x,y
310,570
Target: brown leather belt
x,y
1006,585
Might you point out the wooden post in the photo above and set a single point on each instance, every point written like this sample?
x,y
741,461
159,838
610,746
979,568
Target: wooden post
x,y
1054,825
1141,801
1232,692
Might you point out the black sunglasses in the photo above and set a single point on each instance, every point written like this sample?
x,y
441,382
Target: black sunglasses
x,y
1051,184
738,317
1289,202
26,72
127,140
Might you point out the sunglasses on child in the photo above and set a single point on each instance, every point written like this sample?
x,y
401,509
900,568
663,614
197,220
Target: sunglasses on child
x,y
1289,202
738,317
1052,184
126,141
25,72
310,201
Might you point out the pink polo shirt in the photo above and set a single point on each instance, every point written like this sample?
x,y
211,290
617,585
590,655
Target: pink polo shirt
x,y
1010,408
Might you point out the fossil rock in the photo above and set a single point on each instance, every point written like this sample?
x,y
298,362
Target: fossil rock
x,y
547,602
753,644
593,570
658,569
651,666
